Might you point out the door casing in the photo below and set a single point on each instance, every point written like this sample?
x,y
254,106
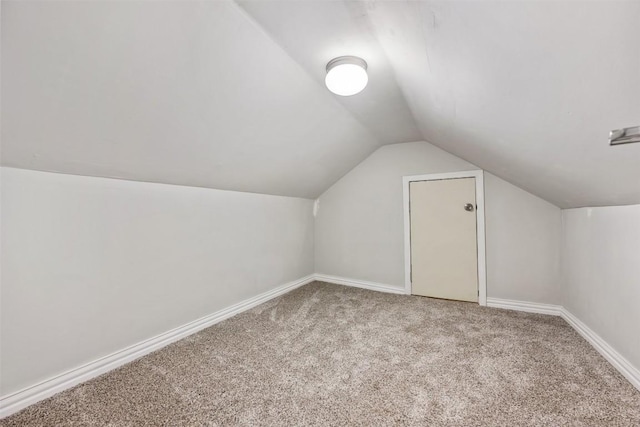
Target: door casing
x,y
480,227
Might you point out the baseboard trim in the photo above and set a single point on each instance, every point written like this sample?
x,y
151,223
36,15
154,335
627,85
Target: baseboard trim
x,y
618,361
21,399
373,286
529,307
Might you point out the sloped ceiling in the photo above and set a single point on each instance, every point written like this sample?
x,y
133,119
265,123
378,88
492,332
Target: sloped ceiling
x,y
231,96
180,92
526,90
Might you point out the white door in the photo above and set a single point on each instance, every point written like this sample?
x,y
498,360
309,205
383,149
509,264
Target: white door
x,y
444,257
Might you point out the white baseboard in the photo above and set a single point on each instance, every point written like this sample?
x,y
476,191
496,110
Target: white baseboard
x,y
373,286
529,307
623,366
19,400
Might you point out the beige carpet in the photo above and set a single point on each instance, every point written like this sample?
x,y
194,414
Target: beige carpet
x,y
332,355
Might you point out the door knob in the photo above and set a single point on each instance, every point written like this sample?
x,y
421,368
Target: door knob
x,y
468,207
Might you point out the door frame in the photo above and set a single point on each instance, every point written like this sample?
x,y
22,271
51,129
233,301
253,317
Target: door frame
x,y
480,230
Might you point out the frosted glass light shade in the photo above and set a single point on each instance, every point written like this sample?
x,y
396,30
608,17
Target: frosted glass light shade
x,y
346,75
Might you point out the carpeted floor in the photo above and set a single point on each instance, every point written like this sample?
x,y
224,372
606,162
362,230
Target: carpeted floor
x,y
332,355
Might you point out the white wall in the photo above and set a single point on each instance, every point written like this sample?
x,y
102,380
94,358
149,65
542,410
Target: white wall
x,y
523,244
93,265
359,227
601,273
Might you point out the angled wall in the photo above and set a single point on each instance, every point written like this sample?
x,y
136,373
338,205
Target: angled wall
x,y
91,265
359,226
601,274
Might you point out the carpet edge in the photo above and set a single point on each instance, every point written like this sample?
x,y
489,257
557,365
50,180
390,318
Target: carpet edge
x,y
615,359
21,399
618,361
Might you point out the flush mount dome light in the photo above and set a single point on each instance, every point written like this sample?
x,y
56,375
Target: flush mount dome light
x,y
346,75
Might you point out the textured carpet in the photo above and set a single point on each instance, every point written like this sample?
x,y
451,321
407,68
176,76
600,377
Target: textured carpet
x,y
332,355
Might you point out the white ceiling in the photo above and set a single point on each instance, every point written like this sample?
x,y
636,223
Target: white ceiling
x,y
526,90
231,96
189,93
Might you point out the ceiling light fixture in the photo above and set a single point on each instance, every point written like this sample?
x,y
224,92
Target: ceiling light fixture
x,y
346,75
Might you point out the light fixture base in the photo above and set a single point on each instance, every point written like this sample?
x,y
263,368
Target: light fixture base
x,y
346,75
341,60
